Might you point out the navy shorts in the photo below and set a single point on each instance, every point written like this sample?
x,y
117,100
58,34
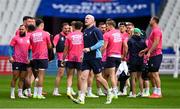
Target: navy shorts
x,y
94,64
40,63
155,63
135,68
103,65
70,64
19,66
145,72
30,64
112,62
59,63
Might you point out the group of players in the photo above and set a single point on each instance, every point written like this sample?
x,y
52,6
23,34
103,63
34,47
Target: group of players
x,y
95,52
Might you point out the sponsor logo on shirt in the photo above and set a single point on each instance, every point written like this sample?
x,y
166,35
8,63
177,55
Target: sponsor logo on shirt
x,y
76,39
37,37
117,37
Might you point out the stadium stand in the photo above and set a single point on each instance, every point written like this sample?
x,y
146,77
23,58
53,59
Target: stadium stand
x,y
169,23
11,14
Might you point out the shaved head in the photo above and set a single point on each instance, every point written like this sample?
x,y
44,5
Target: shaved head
x,y
90,16
89,20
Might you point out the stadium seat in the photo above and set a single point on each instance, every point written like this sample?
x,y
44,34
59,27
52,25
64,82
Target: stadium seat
x,y
11,14
169,23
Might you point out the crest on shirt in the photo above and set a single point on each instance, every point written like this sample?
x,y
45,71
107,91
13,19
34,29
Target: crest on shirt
x,y
62,38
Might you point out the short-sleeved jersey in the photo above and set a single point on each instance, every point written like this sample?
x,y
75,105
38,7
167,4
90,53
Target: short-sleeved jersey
x,y
114,40
39,41
155,33
74,42
21,46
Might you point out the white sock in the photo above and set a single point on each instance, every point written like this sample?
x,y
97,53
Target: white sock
x,y
39,91
89,90
99,89
146,90
12,91
68,89
79,92
109,92
82,96
158,91
115,90
56,90
35,91
154,90
20,92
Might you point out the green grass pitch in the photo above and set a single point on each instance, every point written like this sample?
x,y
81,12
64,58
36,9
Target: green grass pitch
x,y
170,89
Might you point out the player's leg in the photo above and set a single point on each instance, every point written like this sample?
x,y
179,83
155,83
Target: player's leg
x,y
139,77
96,66
13,82
16,73
98,84
70,72
156,62
22,76
59,76
90,83
110,69
133,83
42,66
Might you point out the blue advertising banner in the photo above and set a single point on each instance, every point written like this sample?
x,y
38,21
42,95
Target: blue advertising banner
x,y
98,8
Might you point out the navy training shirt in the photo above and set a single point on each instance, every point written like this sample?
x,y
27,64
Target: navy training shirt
x,y
135,45
93,39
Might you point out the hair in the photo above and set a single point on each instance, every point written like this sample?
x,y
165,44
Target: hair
x,y
27,17
156,19
101,23
78,25
73,23
129,24
21,25
38,22
64,24
121,23
111,22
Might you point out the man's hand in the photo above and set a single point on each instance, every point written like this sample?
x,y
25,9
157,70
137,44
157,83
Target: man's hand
x,y
85,50
62,63
148,55
11,59
141,53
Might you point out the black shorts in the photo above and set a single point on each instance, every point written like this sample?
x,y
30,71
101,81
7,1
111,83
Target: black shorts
x,y
70,64
19,66
40,63
135,68
103,65
145,72
30,64
155,63
112,62
94,64
59,63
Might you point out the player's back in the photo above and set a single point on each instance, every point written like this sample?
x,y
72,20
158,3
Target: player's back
x,y
75,43
115,40
39,41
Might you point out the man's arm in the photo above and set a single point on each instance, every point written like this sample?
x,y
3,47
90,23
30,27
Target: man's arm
x,y
65,52
103,48
154,45
125,50
11,52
